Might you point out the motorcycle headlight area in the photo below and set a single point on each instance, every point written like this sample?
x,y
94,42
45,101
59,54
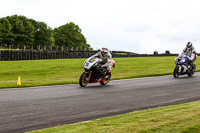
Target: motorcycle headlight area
x,y
183,60
85,64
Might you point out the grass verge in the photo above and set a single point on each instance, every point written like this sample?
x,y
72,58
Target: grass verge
x,y
183,118
67,71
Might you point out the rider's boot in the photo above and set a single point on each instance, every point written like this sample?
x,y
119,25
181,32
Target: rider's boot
x,y
193,67
103,72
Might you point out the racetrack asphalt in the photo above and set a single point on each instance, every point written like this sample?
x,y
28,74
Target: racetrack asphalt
x,y
31,108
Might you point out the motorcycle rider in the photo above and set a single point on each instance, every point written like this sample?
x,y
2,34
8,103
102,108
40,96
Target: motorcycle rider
x,y
190,51
106,58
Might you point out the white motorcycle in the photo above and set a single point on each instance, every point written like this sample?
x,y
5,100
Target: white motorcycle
x,y
93,72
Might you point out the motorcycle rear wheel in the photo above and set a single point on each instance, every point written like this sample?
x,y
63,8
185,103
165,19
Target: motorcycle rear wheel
x,y
176,72
82,81
105,81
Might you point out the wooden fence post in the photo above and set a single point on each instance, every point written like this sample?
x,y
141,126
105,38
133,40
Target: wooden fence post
x,y
17,47
31,47
24,47
39,48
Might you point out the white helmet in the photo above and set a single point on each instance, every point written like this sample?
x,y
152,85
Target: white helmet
x,y
104,51
189,45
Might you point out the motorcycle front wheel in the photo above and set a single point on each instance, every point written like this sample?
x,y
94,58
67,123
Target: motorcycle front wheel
x,y
176,72
82,81
105,81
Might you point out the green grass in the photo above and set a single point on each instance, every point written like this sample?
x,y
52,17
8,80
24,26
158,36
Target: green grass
x,y
8,49
191,129
40,72
67,71
183,118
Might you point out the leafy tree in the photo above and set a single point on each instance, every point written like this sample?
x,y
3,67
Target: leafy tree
x,y
43,33
1,34
19,30
23,30
69,35
6,35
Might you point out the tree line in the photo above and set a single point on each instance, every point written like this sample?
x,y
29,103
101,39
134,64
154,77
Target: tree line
x,y
19,30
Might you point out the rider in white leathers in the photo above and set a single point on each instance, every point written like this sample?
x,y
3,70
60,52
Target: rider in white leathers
x,y
106,58
190,51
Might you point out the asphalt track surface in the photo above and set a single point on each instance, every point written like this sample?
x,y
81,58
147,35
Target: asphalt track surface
x,y
26,109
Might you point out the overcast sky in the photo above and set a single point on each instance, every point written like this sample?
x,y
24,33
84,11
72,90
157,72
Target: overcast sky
x,y
140,26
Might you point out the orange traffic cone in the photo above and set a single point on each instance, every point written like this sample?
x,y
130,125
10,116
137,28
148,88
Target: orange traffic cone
x,y
19,81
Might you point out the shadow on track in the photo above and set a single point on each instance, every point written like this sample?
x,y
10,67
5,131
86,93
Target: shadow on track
x,y
97,86
185,77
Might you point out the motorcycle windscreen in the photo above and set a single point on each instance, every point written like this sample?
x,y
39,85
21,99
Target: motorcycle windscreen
x,y
94,59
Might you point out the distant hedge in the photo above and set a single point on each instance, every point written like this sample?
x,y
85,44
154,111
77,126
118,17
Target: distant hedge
x,y
10,55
